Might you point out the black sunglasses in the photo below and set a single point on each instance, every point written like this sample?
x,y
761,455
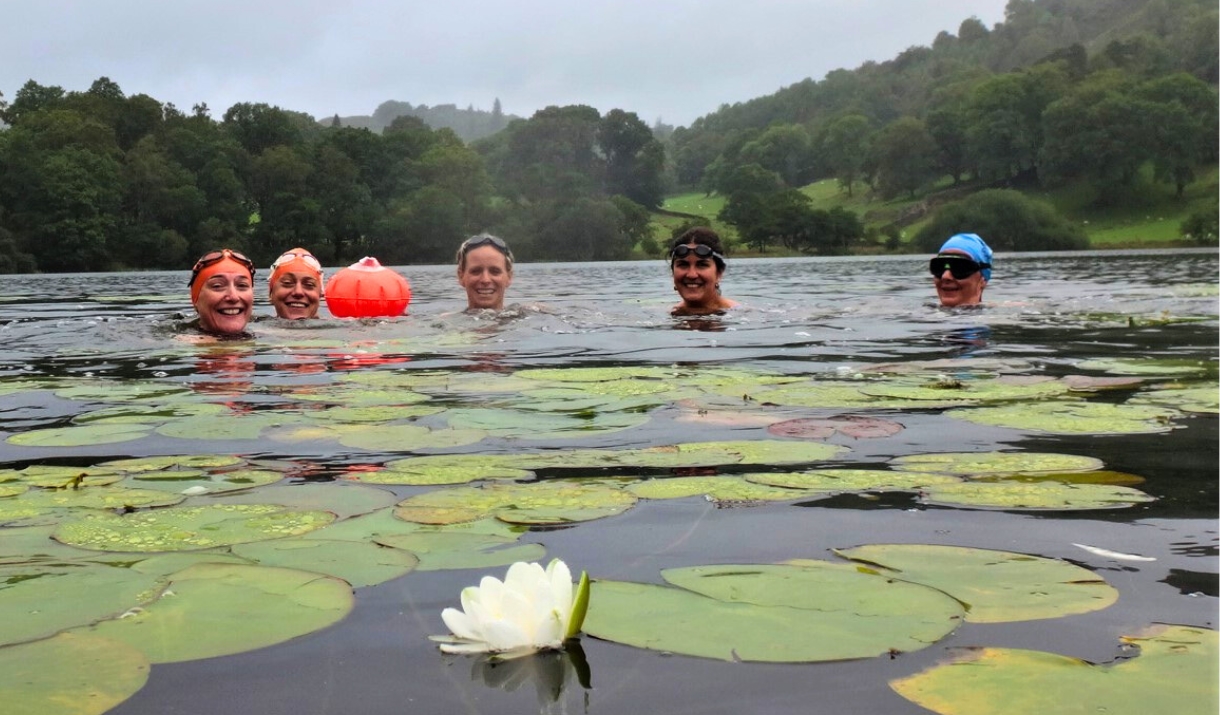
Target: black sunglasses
x,y
486,239
217,256
700,250
958,266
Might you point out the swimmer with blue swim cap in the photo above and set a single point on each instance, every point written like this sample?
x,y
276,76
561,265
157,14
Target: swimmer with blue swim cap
x,y
960,270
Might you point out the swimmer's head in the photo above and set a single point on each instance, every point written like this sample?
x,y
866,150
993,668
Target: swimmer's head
x,y
971,245
223,260
484,239
698,236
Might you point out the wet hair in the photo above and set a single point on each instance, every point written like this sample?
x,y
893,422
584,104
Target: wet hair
x,y
480,240
699,235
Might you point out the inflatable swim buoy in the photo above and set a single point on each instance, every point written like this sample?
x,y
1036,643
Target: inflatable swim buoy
x,y
367,289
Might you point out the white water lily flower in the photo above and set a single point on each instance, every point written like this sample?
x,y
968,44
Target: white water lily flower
x,y
532,609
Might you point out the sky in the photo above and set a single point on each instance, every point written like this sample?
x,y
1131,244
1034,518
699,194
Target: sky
x,y
673,60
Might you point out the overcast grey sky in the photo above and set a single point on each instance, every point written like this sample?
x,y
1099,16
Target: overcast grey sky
x,y
670,59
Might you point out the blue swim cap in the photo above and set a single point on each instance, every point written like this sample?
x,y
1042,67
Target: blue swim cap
x,y
973,246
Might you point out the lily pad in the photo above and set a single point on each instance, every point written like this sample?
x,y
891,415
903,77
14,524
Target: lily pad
x,y
80,436
778,613
851,480
1073,418
995,586
105,497
1143,366
70,674
968,464
442,469
537,503
442,550
211,610
854,426
1175,672
718,489
845,394
988,390
188,528
344,499
41,599
170,463
360,564
1204,400
50,476
510,423
407,438
1034,495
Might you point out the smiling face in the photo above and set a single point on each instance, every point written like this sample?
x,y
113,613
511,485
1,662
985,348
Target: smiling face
x,y
485,274
954,292
296,295
224,302
696,279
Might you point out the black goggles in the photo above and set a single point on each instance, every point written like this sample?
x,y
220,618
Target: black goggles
x,y
217,256
700,250
486,239
958,266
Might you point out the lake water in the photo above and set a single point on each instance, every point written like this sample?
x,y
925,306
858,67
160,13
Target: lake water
x,y
1048,315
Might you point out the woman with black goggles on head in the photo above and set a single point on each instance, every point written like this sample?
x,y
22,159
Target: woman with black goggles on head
x,y
961,270
696,260
222,291
485,270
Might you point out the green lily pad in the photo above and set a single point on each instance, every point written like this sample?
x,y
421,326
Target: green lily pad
x,y
854,426
41,599
81,436
442,469
1175,672
971,389
374,413
230,428
1204,399
360,564
851,480
188,528
33,544
1144,366
995,586
183,482
777,613
537,503
344,499
110,391
662,375
149,414
176,462
11,489
70,674
718,489
50,476
441,550
968,464
1034,495
211,610
105,497
771,451
841,394
510,423
1073,417
407,438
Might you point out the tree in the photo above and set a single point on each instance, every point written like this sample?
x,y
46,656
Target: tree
x,y
634,158
905,156
1007,220
844,148
258,127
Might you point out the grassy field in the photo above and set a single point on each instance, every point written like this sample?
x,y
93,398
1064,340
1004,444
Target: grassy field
x,y
1149,218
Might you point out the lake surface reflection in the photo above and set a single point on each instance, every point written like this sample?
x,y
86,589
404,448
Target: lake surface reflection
x,y
73,346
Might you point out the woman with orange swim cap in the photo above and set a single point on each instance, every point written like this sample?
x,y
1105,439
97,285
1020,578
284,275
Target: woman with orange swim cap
x,y
222,291
296,285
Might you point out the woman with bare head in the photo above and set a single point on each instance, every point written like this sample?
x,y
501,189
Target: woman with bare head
x,y
696,260
485,270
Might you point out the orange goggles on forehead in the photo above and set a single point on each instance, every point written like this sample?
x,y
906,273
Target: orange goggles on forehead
x,y
305,257
214,257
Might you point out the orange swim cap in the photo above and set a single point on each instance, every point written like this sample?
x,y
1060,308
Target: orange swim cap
x,y
297,260
213,262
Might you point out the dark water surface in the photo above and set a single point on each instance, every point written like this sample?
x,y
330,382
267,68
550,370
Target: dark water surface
x,y
1046,314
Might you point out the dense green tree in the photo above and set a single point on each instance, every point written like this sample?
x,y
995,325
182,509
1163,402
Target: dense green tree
x,y
258,127
1007,220
844,149
905,157
784,149
633,157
